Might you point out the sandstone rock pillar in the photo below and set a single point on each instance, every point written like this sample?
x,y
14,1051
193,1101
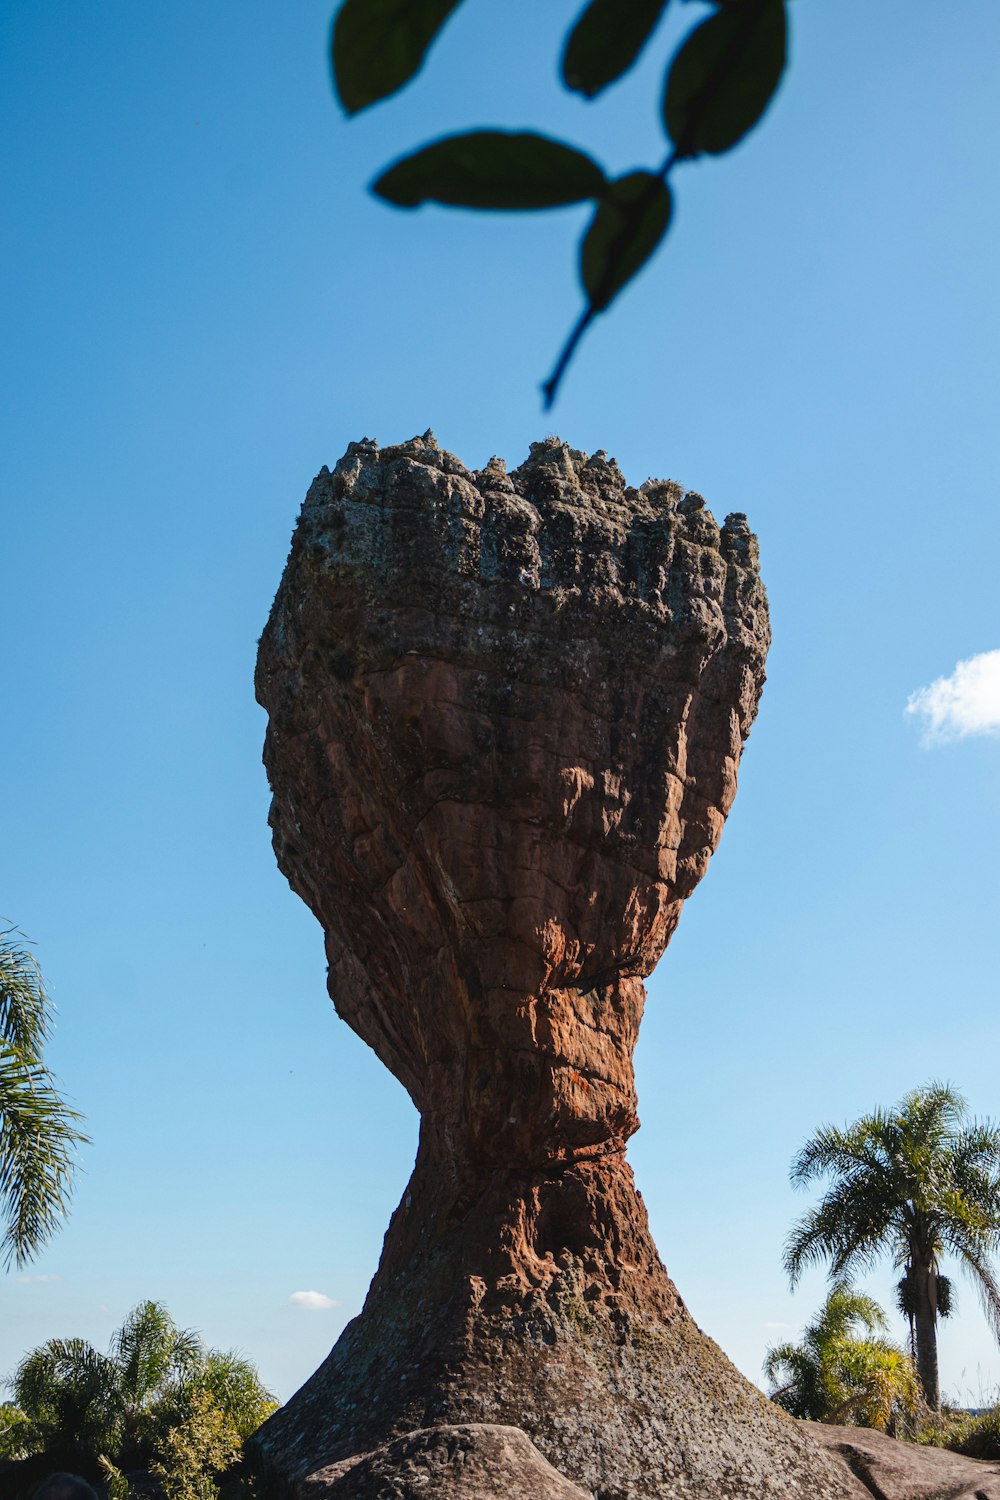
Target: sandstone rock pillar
x,y
505,717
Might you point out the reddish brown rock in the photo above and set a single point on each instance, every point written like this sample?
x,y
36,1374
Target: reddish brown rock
x,y
506,714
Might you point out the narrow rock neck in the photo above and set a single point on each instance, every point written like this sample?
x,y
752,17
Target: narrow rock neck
x,y
531,1084
506,1232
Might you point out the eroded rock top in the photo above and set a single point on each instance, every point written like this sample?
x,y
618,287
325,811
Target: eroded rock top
x,y
564,524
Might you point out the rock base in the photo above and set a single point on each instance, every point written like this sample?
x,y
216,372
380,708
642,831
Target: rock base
x,y
892,1470
478,1462
488,1461
544,1307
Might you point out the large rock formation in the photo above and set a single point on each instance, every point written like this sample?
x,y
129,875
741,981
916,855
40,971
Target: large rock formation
x,y
506,713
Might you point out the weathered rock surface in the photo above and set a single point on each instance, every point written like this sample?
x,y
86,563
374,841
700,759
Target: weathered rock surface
x,y
505,717
444,1463
892,1470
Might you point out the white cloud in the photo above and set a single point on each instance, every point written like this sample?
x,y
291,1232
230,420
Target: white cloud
x,y
781,1325
967,702
315,1301
36,1280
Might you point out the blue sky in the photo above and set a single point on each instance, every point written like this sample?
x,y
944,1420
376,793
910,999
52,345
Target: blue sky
x,y
203,307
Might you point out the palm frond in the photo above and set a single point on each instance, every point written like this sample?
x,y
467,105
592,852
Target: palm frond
x,y
843,1311
38,1140
115,1482
152,1353
978,1144
39,1133
832,1151
848,1228
780,1359
25,1007
796,1380
189,1354
876,1382
67,1388
933,1111
979,1269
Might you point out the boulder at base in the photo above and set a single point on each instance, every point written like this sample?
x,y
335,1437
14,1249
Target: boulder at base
x,y
891,1470
476,1461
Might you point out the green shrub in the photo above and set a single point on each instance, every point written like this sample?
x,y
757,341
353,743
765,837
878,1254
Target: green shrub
x,y
196,1452
18,1434
977,1436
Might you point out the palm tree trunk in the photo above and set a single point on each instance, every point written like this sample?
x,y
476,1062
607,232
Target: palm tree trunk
x,y
925,1329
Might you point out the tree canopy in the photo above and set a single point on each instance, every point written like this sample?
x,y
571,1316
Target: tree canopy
x,y
917,1182
844,1369
157,1391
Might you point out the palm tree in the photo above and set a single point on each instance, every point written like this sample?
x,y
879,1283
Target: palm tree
x,y
66,1390
918,1182
87,1403
152,1360
843,1370
38,1132
86,1406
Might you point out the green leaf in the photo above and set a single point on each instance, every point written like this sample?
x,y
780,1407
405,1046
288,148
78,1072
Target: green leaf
x,y
631,220
378,45
724,76
606,41
492,169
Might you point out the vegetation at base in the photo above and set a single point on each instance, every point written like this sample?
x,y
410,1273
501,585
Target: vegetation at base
x,y
718,84
917,1182
197,1450
17,1432
39,1133
158,1402
973,1434
844,1370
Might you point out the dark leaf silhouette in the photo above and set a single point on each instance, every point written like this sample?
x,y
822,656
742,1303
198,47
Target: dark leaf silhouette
x,y
724,77
378,45
631,220
492,169
606,41
719,84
